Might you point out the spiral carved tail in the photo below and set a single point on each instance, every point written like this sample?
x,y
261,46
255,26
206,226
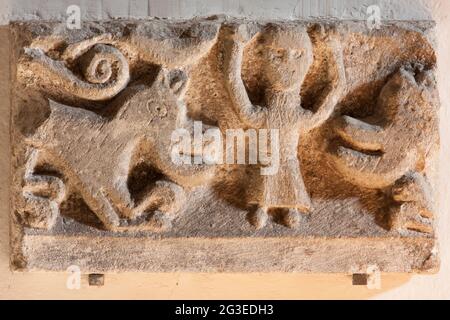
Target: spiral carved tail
x,y
104,72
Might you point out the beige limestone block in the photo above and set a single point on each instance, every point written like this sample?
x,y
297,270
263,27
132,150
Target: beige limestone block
x,y
95,110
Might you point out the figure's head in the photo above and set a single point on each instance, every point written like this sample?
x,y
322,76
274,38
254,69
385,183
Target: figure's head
x,y
286,54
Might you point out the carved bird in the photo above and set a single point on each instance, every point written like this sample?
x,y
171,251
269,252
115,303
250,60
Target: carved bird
x,y
388,149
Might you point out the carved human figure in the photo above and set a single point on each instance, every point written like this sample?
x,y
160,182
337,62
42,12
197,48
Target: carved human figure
x,y
286,54
387,150
117,158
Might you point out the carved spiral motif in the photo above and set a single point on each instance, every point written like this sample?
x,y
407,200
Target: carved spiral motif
x,y
103,63
105,71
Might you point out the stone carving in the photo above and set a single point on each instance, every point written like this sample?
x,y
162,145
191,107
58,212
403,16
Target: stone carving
x,y
104,68
94,180
109,176
388,149
43,194
286,55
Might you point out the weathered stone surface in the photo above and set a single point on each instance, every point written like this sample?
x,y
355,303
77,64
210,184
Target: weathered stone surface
x,y
347,182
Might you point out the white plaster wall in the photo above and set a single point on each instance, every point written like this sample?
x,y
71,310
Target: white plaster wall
x,y
282,9
179,285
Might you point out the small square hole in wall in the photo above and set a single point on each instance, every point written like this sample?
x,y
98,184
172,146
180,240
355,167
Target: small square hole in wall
x,y
359,279
96,279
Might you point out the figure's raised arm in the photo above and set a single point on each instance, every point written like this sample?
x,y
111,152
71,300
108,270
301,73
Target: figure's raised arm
x,y
233,42
335,88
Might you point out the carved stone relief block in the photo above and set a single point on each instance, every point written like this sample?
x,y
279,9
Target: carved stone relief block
x,y
224,145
